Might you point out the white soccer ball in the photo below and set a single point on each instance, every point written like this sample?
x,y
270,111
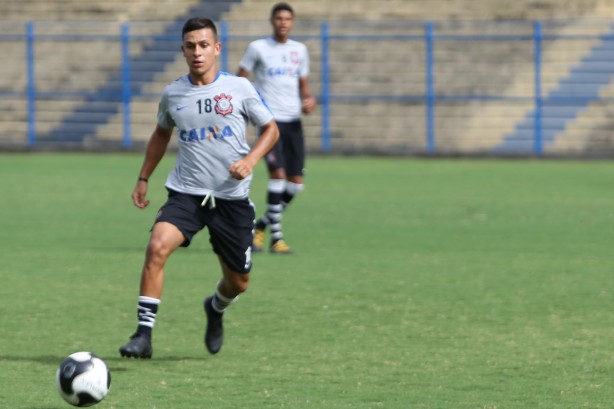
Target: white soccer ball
x,y
83,379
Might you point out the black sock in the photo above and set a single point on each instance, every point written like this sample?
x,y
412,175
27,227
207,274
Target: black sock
x,y
292,189
262,223
286,198
220,302
272,216
146,314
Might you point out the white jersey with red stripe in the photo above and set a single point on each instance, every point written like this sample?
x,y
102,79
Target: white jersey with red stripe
x,y
211,121
277,68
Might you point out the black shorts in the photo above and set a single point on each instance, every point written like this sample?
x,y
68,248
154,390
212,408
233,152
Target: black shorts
x,y
289,151
230,225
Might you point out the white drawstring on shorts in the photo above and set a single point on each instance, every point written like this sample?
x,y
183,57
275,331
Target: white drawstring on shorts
x,y
211,202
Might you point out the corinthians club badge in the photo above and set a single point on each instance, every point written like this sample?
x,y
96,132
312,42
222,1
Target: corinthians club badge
x,y
222,104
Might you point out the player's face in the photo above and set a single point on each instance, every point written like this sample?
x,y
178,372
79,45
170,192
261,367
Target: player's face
x,y
282,24
201,50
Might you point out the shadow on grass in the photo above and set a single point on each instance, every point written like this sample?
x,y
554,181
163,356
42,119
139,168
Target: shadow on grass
x,y
114,249
43,359
119,360
45,407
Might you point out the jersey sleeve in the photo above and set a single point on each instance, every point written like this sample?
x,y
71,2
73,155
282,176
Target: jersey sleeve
x,y
256,109
165,120
304,65
250,58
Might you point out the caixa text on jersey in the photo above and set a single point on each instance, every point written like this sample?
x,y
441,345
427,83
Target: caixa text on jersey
x,y
210,132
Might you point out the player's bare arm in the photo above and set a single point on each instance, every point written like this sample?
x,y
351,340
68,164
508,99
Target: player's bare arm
x,y
244,167
242,73
156,147
308,100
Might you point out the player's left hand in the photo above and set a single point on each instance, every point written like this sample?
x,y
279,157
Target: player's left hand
x,y
138,195
240,169
308,105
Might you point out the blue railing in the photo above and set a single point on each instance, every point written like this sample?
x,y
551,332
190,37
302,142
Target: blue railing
x,y
537,90
31,83
430,88
530,135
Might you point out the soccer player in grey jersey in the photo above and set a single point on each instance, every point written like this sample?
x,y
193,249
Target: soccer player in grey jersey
x,y
209,185
280,67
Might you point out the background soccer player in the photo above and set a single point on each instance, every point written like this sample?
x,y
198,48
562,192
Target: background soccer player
x,y
280,67
210,182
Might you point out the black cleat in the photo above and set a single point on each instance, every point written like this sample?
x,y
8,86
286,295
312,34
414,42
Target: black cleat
x,y
214,333
139,346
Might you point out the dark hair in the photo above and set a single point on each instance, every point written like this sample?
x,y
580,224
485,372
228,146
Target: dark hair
x,y
198,23
281,7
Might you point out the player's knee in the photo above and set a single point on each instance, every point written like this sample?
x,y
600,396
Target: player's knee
x,y
239,282
277,174
158,248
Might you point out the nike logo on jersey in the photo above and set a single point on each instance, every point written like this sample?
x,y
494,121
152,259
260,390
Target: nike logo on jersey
x,y
180,107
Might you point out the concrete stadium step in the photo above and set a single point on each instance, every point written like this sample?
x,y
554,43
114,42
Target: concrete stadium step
x,y
79,10
428,9
358,68
157,56
556,118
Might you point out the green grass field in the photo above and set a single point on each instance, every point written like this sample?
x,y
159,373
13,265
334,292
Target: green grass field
x,y
448,284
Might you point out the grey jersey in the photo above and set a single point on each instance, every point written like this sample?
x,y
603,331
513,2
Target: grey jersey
x,y
277,68
211,121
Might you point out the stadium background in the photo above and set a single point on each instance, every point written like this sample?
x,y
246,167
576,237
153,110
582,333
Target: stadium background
x,y
407,77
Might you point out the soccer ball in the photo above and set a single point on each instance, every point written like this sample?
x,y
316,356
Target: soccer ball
x,y
83,379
